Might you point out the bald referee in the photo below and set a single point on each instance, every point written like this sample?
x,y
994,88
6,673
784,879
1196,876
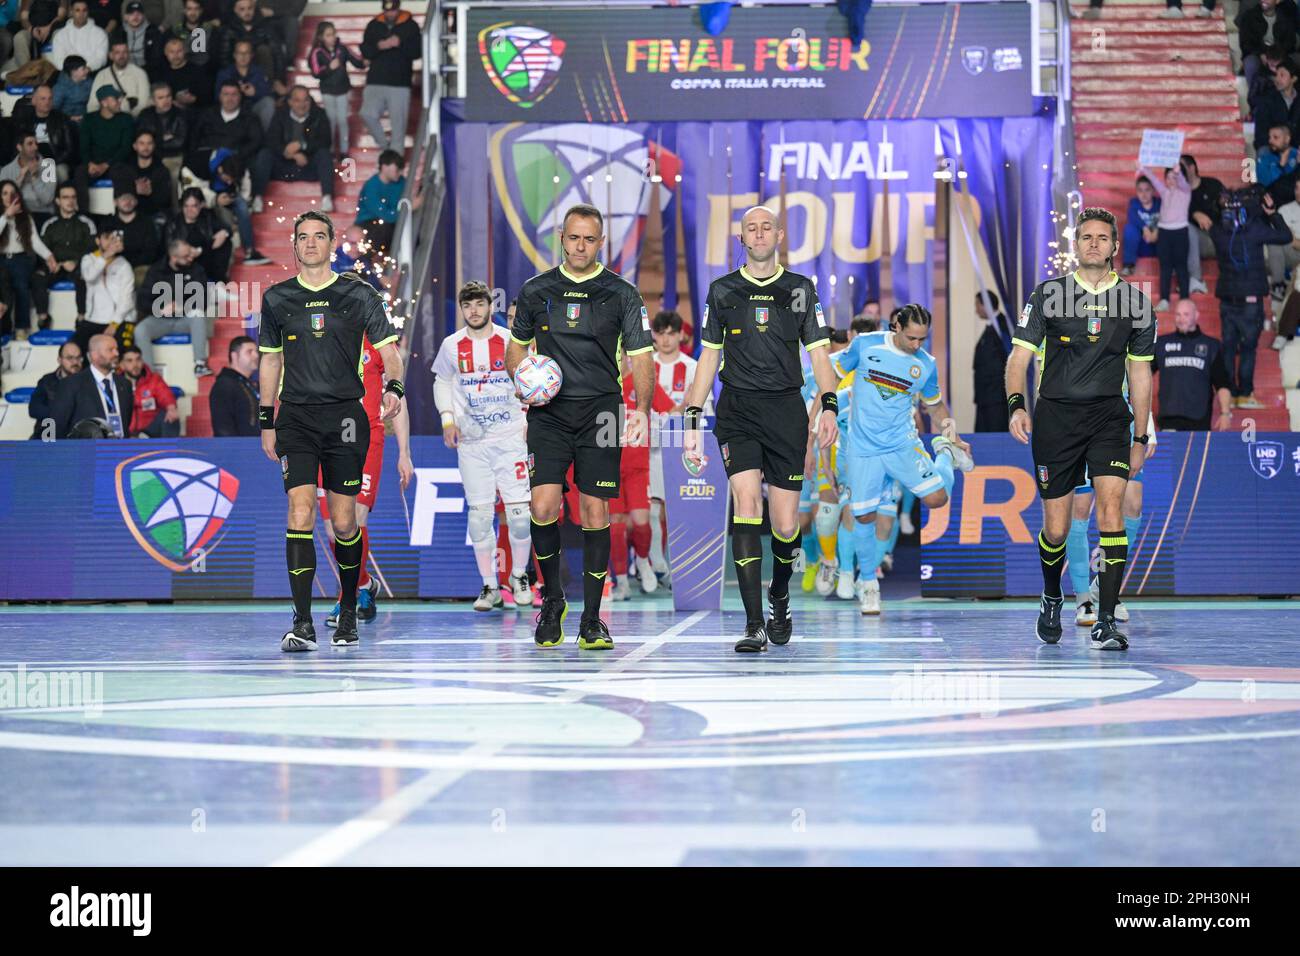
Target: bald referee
x,y
312,331
1094,328
583,316
756,318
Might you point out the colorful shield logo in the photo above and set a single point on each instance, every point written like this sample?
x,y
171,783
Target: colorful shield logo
x,y
175,507
1042,474
522,62
760,315
572,310
1094,325
317,321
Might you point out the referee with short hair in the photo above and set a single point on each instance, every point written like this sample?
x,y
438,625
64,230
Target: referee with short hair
x,y
1093,328
312,333
583,316
756,317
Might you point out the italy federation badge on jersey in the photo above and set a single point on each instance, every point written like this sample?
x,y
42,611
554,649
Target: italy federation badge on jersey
x,y
1094,325
317,321
760,315
572,311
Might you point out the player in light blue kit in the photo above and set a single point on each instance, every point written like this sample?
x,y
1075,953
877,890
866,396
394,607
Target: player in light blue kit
x,y
884,445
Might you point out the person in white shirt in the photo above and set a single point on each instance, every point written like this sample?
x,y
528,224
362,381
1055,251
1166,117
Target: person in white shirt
x,y
110,288
674,372
1281,258
80,35
483,419
126,76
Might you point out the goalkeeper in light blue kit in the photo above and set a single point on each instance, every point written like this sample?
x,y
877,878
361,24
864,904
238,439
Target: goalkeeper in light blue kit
x,y
883,441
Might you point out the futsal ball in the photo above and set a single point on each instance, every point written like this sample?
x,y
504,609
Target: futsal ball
x,y
538,379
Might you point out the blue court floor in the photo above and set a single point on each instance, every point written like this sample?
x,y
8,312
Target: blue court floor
x,y
940,733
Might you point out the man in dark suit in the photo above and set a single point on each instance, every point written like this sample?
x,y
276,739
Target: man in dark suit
x,y
233,402
95,392
991,350
41,407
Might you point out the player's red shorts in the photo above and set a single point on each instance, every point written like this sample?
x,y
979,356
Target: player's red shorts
x,y
374,467
634,481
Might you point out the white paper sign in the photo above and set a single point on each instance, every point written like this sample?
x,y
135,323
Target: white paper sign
x,y
1161,147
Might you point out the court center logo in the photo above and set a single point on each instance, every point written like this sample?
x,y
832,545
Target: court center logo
x,y
1266,457
522,62
175,506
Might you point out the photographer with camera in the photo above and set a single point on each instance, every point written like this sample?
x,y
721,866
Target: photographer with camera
x,y
1248,221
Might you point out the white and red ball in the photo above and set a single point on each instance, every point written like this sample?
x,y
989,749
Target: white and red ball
x,y
538,379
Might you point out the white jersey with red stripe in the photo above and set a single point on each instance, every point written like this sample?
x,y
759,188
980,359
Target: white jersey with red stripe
x,y
483,395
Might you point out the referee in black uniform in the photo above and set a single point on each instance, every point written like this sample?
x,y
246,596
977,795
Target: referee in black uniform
x,y
312,331
756,318
1093,327
583,316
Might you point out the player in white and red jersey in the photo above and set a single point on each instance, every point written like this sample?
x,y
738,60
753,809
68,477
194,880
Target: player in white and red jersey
x,y
674,372
483,419
372,377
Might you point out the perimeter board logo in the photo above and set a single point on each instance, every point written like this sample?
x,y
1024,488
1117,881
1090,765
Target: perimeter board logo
x,y
522,62
612,168
975,59
174,506
1266,457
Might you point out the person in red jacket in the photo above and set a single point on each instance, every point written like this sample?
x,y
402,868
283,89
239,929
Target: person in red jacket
x,y
156,413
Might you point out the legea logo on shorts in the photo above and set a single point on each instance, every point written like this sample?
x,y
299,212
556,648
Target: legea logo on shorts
x,y
175,507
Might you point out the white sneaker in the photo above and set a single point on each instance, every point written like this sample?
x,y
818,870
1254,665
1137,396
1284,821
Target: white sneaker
x,y
523,594
326,204
257,204
869,597
1196,285
887,563
1172,13
1279,343
825,579
844,587
646,571
1204,13
1162,305
1121,612
960,458
905,525
489,599
622,590
800,562
1085,613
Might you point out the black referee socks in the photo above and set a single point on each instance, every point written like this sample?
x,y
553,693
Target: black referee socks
x,y
546,545
300,556
783,562
1114,556
348,555
1052,557
595,568
747,553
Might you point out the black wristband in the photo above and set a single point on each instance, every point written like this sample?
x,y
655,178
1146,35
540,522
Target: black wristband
x,y
693,414
1015,401
830,402
396,387
266,416
1142,439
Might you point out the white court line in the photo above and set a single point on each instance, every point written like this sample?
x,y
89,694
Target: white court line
x,y
693,639
340,841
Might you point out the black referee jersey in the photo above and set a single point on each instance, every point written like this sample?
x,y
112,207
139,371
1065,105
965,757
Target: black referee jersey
x,y
320,332
1085,335
758,324
583,323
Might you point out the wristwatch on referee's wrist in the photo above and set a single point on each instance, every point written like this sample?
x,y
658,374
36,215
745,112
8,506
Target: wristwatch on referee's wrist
x,y
1141,439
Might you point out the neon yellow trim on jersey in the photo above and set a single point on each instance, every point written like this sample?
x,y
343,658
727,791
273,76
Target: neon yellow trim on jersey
x,y
816,345
518,341
267,348
648,348
600,267
381,344
1109,282
1025,345
711,345
334,277
744,274
1140,358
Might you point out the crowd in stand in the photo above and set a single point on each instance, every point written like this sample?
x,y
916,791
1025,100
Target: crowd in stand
x,y
188,111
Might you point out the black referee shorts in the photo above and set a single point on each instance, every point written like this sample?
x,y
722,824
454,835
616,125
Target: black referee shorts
x,y
583,432
1074,439
333,438
767,432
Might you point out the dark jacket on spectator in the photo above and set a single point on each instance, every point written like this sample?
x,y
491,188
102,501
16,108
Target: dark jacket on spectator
x,y
190,77
1251,28
162,197
69,239
43,12
315,131
1240,251
139,239
333,78
1193,367
77,398
104,11
233,405
42,403
59,130
1205,197
1271,111
261,32
146,46
989,367
391,67
106,140
255,76
162,273
170,130
210,131
198,233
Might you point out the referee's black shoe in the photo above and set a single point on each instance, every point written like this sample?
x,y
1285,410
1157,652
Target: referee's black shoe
x,y
1106,635
593,635
755,639
779,625
1049,619
550,622
345,635
301,638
